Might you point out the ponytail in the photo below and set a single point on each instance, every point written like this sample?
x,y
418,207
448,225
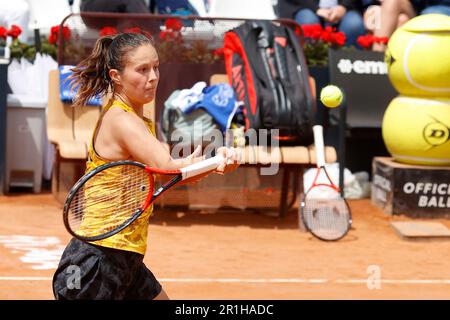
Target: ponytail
x,y
91,74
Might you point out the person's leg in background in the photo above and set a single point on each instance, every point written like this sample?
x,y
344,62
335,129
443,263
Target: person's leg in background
x,y
352,25
391,10
122,6
114,6
441,9
306,16
402,19
372,18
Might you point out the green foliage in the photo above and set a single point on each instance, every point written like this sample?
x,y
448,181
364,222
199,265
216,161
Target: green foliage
x,y
28,51
316,54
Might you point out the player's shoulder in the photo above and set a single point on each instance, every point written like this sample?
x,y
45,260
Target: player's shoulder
x,y
119,115
121,120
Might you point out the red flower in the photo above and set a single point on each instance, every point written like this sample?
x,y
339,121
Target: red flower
x,y
383,40
66,33
53,38
327,34
365,41
54,32
3,33
313,31
166,35
107,31
133,30
15,31
174,24
338,38
368,40
170,36
316,31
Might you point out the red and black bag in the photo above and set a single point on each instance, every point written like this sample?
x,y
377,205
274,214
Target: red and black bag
x,y
267,69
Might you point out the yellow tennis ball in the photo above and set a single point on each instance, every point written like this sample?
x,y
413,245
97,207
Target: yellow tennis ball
x,y
417,57
331,96
417,130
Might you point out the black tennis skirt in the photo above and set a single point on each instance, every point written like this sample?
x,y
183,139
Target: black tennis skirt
x,y
87,271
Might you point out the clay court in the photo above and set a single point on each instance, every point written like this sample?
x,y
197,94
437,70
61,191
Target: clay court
x,y
237,255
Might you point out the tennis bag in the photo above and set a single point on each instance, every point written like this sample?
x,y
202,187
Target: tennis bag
x,y
184,124
267,69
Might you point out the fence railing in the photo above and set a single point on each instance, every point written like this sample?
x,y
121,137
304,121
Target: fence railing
x,y
201,36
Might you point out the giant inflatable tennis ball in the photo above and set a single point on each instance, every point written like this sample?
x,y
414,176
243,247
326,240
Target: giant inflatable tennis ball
x,y
418,57
417,131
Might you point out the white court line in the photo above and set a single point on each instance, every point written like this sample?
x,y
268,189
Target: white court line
x,y
404,281
268,281
238,280
25,278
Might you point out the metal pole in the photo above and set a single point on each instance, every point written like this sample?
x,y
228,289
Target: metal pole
x,y
3,96
342,142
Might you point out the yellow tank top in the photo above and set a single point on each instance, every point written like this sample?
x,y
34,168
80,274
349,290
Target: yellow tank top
x,y
134,237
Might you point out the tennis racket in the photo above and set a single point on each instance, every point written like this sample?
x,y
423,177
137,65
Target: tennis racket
x,y
324,212
112,196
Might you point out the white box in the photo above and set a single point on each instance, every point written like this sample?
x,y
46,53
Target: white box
x,y
25,141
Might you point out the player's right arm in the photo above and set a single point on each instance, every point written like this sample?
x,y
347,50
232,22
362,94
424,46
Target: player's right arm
x,y
137,142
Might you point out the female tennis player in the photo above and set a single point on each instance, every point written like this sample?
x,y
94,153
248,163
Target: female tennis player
x,y
113,268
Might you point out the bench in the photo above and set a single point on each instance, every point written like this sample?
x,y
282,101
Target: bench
x,y
68,130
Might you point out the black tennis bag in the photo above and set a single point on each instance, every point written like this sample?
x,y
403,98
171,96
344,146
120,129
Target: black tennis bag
x,y
267,70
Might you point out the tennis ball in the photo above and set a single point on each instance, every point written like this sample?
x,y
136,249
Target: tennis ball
x,y
417,130
331,96
417,57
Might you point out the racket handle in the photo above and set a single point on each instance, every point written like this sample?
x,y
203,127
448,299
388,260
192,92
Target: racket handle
x,y
201,167
320,148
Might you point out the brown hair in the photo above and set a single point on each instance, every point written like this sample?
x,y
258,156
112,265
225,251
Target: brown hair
x,y
110,52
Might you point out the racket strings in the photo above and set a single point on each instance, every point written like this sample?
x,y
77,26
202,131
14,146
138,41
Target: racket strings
x,y
80,203
327,218
108,200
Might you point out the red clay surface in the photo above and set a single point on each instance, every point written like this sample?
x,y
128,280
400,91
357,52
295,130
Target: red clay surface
x,y
241,255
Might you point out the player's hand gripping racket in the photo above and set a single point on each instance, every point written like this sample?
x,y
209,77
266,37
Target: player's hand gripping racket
x,y
112,196
324,212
